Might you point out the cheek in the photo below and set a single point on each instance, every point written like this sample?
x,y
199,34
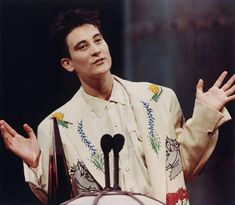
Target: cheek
x,y
83,62
108,52
80,60
110,58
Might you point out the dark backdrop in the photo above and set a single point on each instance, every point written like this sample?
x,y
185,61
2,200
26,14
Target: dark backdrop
x,y
32,82
173,43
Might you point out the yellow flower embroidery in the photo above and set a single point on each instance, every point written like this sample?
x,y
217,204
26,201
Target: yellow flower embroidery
x,y
60,119
154,88
58,115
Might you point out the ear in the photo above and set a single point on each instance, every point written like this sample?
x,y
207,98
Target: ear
x,y
67,64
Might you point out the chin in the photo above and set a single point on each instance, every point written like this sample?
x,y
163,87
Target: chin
x,y
102,74
104,70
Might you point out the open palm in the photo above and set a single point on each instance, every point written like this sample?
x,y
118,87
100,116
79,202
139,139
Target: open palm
x,y
219,94
25,148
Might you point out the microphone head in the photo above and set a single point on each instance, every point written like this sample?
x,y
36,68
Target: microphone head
x,y
106,143
118,142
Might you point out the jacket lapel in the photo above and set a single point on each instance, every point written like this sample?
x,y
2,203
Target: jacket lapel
x,y
149,124
84,137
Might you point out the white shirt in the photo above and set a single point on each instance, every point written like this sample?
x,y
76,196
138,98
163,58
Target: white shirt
x,y
115,116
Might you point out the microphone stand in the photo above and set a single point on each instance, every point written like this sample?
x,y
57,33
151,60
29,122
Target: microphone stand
x,y
106,146
118,142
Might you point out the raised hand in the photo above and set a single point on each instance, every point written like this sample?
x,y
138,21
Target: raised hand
x,y
219,94
25,148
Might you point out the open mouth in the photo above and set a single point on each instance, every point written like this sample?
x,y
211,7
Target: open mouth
x,y
99,61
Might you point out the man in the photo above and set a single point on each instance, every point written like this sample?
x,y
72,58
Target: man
x,y
161,151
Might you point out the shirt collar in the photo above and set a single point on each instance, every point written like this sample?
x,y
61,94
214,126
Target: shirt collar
x,y
98,105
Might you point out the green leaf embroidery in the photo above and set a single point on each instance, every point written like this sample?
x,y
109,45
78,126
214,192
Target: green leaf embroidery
x,y
63,123
98,161
155,144
156,96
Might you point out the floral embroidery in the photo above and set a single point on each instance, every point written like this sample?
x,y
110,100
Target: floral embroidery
x,y
154,141
85,139
96,157
98,161
180,197
173,161
58,115
156,90
60,119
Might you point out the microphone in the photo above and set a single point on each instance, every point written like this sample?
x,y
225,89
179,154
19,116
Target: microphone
x,y
118,142
106,146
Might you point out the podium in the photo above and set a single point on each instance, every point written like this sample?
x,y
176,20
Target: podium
x,y
112,198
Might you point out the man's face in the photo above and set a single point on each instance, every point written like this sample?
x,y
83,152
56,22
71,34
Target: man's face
x,y
89,52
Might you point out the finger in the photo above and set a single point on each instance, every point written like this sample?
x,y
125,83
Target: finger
x,y
231,98
230,82
2,124
8,128
220,80
199,87
3,132
6,138
29,131
230,91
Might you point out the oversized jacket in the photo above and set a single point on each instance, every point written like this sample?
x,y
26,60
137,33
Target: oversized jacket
x,y
175,151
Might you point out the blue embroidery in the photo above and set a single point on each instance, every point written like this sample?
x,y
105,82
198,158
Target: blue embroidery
x,y
154,141
96,157
85,139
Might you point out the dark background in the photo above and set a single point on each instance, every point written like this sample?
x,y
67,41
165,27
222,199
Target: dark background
x,y
173,43
33,83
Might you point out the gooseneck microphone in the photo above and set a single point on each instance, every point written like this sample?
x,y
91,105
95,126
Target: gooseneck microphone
x,y
118,142
106,146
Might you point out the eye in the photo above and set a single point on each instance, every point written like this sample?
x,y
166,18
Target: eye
x,y
82,46
98,40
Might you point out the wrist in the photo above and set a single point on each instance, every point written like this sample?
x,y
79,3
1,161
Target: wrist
x,y
34,161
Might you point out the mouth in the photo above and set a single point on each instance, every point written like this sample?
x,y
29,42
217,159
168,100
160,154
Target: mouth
x,y
99,61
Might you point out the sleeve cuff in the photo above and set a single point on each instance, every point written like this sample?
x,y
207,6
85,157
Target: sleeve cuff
x,y
33,175
208,118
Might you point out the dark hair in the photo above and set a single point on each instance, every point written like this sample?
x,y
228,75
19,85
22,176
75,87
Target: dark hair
x,y
65,22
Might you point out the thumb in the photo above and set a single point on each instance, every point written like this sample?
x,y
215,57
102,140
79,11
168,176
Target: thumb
x,y
199,87
29,131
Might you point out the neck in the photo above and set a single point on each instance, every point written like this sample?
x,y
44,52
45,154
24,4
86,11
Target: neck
x,y
98,87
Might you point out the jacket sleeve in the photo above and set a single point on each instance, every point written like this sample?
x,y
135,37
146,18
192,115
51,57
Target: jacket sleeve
x,y
198,135
37,178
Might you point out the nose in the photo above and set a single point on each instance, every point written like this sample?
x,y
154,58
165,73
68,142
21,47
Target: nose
x,y
95,50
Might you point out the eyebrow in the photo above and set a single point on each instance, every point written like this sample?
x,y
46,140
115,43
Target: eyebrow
x,y
84,41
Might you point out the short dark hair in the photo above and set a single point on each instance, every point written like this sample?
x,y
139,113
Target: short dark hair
x,y
65,22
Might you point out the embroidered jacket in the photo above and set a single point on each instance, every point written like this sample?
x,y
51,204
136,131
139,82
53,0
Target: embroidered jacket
x,y
175,151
